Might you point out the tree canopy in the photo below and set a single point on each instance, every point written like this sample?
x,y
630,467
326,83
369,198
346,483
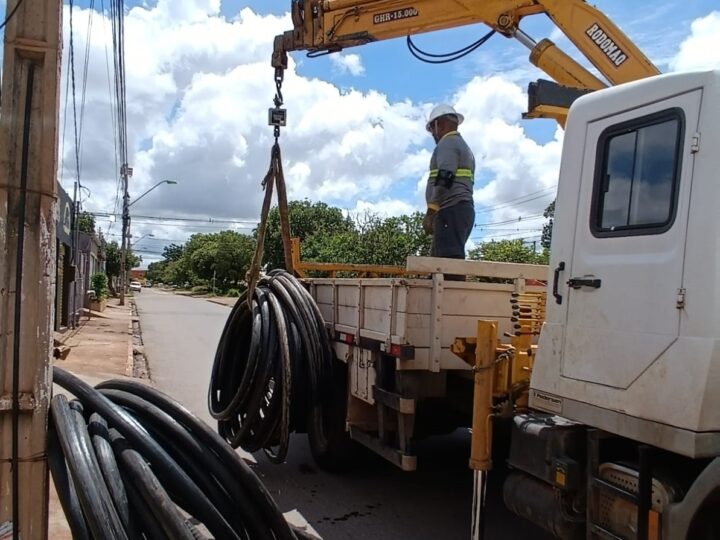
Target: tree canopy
x,y
312,223
112,258
549,214
511,251
327,234
86,222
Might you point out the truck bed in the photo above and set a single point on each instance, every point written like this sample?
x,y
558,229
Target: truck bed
x,y
423,316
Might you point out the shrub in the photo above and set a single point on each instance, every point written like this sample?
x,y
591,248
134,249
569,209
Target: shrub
x,y
99,284
233,292
200,289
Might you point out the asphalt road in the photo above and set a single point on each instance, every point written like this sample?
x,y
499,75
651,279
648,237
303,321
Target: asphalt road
x,y
376,501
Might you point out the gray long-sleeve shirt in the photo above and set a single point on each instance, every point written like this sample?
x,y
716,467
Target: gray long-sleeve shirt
x,y
451,154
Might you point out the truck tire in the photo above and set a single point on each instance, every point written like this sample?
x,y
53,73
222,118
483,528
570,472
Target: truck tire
x,y
706,523
330,443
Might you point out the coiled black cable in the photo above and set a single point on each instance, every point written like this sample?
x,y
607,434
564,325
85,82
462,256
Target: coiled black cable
x,y
273,367
130,462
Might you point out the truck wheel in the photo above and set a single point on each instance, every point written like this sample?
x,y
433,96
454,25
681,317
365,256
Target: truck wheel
x,y
330,443
706,523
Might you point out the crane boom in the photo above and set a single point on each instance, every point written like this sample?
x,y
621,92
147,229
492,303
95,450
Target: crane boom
x,y
327,26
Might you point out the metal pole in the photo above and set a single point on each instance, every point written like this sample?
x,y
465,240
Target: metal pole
x,y
74,258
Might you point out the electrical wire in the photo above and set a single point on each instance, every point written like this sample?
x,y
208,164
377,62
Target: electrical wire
x,y
86,66
508,221
130,462
17,335
113,119
11,14
444,58
535,195
64,130
74,101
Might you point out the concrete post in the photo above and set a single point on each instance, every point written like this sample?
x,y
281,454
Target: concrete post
x,y
28,171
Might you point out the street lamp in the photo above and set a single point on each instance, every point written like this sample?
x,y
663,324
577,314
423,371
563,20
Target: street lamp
x,y
141,238
170,182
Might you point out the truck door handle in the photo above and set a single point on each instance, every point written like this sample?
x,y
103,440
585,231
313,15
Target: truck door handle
x,y
577,283
556,281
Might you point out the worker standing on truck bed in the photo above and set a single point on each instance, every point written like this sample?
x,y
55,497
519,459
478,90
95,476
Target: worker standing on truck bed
x,y
449,193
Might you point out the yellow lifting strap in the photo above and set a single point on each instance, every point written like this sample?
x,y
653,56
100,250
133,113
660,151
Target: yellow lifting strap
x,y
274,176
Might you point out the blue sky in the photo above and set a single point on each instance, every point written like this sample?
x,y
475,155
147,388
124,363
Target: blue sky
x,y
199,84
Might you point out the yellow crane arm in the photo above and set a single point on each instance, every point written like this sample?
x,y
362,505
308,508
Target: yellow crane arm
x,y
325,26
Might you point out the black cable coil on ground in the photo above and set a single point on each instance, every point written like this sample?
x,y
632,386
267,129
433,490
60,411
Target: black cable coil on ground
x,y
274,372
130,462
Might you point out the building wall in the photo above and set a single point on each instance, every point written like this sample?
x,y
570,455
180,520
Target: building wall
x,y
64,276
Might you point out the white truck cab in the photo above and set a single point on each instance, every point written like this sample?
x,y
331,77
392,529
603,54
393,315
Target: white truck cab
x,y
631,343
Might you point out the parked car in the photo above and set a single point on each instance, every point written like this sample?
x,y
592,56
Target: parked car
x,y
135,286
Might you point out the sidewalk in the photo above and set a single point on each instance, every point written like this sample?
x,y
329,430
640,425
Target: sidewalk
x,y
101,348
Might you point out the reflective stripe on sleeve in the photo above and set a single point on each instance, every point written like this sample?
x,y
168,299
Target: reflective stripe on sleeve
x,y
465,176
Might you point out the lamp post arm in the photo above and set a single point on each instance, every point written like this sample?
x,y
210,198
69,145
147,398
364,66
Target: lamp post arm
x,y
148,191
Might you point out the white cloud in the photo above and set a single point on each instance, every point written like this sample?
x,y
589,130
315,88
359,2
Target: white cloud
x,y
700,50
348,63
198,89
514,164
383,208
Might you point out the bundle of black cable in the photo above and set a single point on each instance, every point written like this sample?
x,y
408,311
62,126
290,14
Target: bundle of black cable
x,y
272,368
129,462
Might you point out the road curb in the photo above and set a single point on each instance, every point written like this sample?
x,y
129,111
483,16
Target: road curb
x,y
130,364
220,302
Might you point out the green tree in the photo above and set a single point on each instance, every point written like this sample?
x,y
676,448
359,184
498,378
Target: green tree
x,y
177,273
155,271
112,259
548,227
391,240
86,222
173,252
307,220
224,256
511,251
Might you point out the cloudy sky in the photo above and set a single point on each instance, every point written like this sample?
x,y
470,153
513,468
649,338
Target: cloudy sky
x,y
199,85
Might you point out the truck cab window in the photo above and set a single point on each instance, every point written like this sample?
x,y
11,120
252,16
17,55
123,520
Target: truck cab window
x,y
637,177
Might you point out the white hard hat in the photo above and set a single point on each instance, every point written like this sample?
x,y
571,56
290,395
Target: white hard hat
x,y
442,110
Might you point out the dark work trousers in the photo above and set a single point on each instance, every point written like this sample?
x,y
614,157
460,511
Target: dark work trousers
x,y
451,229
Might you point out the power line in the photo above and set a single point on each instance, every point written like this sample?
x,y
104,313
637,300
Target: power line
x,y
65,116
494,230
190,226
185,218
113,119
86,66
519,200
74,102
508,221
518,236
11,14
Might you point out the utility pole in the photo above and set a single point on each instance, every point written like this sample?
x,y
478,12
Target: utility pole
x,y
125,172
28,169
